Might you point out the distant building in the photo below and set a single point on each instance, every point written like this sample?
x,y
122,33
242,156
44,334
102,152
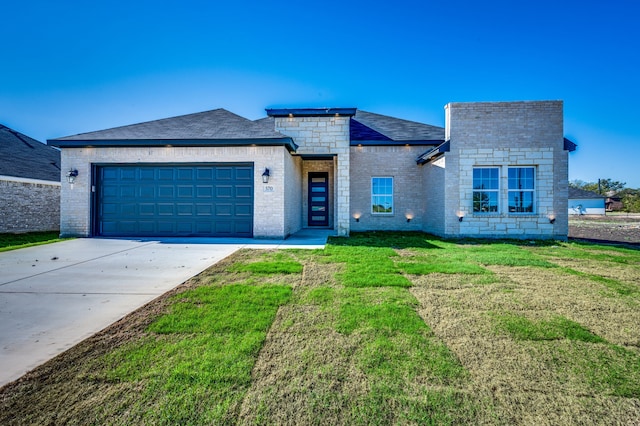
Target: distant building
x,y
29,184
613,203
583,202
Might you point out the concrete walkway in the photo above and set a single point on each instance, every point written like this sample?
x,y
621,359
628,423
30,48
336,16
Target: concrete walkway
x,y
56,295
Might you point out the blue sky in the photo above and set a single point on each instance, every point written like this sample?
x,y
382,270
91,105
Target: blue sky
x,y
70,67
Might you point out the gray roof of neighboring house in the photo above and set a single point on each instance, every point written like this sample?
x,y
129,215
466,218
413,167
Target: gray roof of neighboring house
x,y
369,127
212,125
577,193
25,157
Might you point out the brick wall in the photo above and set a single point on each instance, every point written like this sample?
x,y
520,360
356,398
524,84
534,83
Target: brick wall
x,y
269,207
433,177
409,191
29,205
503,134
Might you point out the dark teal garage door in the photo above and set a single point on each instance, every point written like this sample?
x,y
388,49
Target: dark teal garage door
x,y
212,200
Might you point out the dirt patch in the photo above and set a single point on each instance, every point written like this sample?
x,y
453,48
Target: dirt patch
x,y
606,229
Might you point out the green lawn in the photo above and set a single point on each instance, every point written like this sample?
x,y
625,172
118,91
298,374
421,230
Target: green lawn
x,y
16,241
378,328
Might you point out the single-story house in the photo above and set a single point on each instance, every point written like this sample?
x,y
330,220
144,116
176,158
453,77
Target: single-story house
x,y
583,202
29,184
613,202
497,169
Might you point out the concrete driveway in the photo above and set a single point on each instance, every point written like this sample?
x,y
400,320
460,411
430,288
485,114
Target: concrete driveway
x,y
54,296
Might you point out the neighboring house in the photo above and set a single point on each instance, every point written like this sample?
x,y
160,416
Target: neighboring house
x,y
585,202
613,203
29,184
498,169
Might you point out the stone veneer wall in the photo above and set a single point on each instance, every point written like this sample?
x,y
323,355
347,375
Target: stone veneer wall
x,y
504,134
325,135
398,162
269,207
29,205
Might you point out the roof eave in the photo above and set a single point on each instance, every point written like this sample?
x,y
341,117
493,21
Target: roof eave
x,y
395,143
105,143
310,112
432,154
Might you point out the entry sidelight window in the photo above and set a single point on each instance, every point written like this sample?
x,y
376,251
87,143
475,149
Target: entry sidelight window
x,y
382,195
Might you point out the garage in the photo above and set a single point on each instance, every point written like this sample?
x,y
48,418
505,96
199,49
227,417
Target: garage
x,y
162,200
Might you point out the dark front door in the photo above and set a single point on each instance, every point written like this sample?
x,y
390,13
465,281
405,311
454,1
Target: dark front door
x,y
319,199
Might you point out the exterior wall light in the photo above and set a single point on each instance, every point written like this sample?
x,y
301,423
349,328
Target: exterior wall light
x,y
460,215
265,176
72,174
460,218
356,216
552,219
409,216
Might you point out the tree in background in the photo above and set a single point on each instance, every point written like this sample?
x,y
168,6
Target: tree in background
x,y
602,186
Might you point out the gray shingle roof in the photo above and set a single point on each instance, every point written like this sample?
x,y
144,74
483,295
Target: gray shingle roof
x,y
367,126
25,157
575,193
218,124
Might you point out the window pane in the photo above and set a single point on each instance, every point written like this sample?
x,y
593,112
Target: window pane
x,y
382,195
521,178
521,201
485,202
486,178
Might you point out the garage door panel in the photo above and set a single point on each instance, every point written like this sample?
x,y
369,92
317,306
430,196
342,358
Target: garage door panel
x,y
164,174
165,191
204,191
244,173
243,227
244,210
170,200
147,209
185,173
244,191
204,209
165,209
128,191
224,173
224,210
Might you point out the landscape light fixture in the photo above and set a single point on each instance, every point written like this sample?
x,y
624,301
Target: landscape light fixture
x,y
265,176
72,174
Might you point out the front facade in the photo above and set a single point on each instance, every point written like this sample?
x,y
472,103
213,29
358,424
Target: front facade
x,y
496,170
